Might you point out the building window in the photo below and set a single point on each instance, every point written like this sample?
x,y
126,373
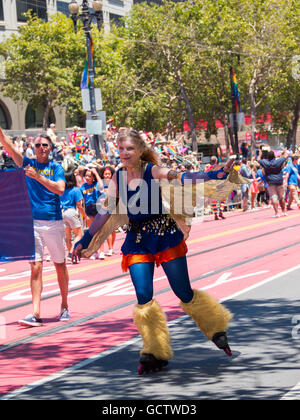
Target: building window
x,y
37,7
5,120
115,19
63,8
118,3
34,117
1,10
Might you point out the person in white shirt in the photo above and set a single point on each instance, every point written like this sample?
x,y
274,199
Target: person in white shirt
x,y
29,151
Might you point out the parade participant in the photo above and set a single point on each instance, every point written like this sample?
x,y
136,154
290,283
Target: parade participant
x,y
106,175
72,207
274,178
215,205
91,191
154,237
292,181
45,182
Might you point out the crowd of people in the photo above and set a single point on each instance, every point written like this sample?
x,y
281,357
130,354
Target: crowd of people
x,y
75,152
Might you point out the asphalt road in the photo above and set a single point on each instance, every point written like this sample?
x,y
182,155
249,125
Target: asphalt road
x,y
249,261
264,338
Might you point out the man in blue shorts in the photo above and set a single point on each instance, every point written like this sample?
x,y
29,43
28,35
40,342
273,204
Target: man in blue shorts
x,y
45,182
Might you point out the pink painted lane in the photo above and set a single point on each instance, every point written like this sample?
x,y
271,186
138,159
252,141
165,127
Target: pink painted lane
x,y
42,356
94,298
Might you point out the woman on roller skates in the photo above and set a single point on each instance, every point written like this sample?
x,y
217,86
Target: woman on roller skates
x,y
153,237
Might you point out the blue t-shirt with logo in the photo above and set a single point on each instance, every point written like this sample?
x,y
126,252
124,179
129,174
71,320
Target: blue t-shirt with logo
x,y
90,193
45,204
293,171
70,197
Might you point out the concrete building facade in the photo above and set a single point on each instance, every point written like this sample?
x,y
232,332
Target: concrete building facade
x,y
21,117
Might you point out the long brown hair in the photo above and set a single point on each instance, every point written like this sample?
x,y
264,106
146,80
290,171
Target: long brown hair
x,y
149,154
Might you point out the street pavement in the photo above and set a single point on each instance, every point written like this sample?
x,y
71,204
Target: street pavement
x,y
249,263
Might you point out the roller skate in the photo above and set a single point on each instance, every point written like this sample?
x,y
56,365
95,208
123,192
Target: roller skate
x,y
221,341
149,363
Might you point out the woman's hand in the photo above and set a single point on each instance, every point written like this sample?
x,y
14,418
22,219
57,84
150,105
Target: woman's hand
x,y
76,254
229,165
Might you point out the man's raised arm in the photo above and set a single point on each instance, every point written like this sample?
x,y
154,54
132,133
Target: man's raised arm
x,y
10,148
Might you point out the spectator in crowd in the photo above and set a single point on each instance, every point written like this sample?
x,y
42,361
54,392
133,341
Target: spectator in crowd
x,y
110,151
73,135
58,153
253,189
263,195
19,143
29,150
51,133
91,190
217,207
245,150
246,173
45,182
72,205
293,178
106,174
274,177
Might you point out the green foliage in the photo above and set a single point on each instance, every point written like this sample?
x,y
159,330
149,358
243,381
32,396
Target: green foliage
x,y
167,64
42,63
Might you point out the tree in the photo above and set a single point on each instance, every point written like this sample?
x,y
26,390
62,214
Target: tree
x,y
43,64
157,61
268,37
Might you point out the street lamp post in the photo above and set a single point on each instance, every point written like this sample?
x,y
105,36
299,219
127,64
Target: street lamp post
x,y
235,125
86,17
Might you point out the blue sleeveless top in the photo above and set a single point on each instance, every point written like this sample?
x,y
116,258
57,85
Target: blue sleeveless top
x,y
144,209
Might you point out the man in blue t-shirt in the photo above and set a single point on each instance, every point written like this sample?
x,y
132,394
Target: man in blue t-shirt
x,y
45,182
292,170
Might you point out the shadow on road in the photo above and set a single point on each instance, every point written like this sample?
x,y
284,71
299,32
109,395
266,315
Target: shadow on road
x,y
260,337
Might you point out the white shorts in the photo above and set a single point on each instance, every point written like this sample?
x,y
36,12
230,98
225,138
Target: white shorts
x,y
71,218
49,233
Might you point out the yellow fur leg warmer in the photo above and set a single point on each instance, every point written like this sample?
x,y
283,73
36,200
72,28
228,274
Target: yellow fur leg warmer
x,y
151,323
210,316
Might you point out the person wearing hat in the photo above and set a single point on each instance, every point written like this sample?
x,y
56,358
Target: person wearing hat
x,y
51,133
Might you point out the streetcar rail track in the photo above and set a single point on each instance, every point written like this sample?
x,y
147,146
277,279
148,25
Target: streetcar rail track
x,y
86,318
190,255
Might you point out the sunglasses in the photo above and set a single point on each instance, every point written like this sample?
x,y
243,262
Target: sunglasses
x,y
41,144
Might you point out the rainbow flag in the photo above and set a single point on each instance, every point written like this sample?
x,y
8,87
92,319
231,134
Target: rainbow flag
x,y
85,80
237,103
172,150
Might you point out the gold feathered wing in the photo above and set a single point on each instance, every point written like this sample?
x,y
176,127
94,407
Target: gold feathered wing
x,y
117,218
178,201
